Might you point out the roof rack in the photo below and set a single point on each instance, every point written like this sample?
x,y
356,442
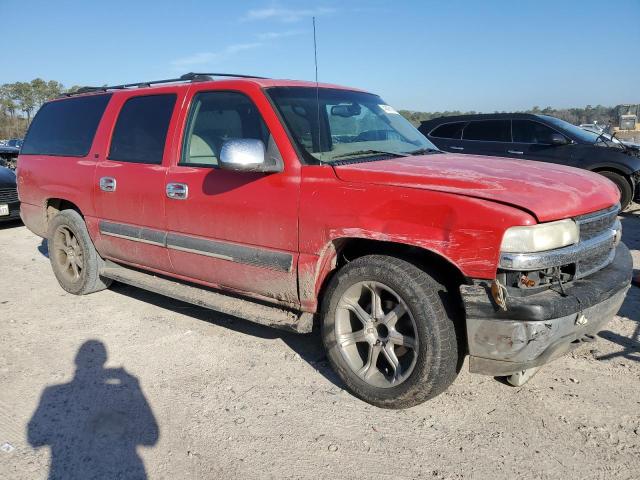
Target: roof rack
x,y
187,77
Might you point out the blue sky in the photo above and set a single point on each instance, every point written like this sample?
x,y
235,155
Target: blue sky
x,y
419,55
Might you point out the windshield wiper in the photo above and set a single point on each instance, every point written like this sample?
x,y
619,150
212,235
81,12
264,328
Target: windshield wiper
x,y
368,152
422,151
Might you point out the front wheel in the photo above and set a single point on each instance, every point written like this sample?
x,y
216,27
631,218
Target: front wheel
x,y
387,333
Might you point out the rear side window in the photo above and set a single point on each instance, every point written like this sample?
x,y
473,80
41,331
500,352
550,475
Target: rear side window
x,y
488,131
449,130
526,131
141,129
65,127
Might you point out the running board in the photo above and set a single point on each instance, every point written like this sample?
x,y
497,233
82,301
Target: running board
x,y
271,316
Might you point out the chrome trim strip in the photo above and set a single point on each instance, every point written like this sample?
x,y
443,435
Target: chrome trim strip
x,y
560,256
135,234
201,252
594,217
127,237
243,254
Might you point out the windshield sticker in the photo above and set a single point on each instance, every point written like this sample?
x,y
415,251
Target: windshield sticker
x,y
388,109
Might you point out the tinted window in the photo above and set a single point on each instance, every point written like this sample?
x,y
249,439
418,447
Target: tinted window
x,y
141,129
526,131
488,131
449,130
216,117
65,127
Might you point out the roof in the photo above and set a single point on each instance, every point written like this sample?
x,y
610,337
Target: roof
x,y
229,80
481,116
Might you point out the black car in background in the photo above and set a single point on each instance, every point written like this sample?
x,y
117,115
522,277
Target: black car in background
x,y
9,204
542,138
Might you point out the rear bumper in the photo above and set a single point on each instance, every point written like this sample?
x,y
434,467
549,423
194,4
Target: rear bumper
x,y
538,328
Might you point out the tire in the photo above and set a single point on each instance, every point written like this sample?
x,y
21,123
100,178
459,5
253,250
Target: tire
x,y
75,261
425,369
625,187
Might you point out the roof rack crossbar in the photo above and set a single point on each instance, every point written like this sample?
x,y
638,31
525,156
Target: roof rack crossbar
x,y
187,77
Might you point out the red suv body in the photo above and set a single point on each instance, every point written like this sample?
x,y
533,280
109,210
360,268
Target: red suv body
x,y
294,194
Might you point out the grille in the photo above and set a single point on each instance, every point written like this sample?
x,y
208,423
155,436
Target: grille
x,y
592,225
8,195
595,223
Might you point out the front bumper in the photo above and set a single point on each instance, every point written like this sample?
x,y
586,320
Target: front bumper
x,y
538,328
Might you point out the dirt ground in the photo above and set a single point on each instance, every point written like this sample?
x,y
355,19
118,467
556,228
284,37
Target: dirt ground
x,y
187,393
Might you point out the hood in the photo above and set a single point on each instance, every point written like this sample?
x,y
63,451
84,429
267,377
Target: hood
x,y
548,191
7,178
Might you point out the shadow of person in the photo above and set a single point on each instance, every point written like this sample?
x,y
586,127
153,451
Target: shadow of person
x,y
94,423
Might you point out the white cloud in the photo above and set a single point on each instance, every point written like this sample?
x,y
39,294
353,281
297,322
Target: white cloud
x,y
287,15
202,58
277,35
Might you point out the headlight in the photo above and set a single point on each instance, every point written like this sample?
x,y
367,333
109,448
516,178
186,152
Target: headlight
x,y
541,237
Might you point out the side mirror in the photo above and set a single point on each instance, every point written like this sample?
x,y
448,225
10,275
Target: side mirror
x,y
245,155
557,139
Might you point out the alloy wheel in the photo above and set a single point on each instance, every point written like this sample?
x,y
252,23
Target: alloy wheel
x,y
376,334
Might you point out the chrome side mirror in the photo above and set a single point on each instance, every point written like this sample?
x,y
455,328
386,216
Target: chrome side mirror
x,y
245,155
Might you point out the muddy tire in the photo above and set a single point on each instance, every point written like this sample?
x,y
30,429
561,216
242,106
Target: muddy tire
x,y
625,187
73,257
387,333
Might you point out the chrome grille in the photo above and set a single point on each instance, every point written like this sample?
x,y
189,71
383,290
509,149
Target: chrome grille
x,y
594,224
8,195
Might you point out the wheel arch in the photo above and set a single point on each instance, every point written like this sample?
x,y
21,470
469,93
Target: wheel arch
x,y
52,206
340,251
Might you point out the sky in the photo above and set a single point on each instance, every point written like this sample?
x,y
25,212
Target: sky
x,y
418,55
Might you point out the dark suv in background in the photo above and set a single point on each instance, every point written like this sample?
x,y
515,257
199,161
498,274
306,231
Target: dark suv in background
x,y
542,138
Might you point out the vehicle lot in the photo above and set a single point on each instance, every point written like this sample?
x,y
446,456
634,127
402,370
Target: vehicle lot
x,y
236,400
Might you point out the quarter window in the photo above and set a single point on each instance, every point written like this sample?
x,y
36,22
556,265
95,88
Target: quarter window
x,y
65,127
449,130
488,131
141,129
217,117
526,131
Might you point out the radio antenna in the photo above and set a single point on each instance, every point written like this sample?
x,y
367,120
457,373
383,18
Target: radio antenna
x,y
315,57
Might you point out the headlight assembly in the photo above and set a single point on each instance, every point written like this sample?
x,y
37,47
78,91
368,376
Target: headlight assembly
x,y
541,237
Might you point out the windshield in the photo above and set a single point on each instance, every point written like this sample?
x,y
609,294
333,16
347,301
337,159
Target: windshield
x,y
346,125
576,132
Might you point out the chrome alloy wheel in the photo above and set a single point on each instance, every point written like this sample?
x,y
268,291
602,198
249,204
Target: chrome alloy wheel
x,y
376,334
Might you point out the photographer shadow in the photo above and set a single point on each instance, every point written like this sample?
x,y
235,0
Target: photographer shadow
x,y
94,423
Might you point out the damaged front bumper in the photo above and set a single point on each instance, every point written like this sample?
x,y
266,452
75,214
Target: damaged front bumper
x,y
538,328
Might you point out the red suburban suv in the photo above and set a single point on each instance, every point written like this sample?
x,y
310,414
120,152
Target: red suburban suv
x,y
282,201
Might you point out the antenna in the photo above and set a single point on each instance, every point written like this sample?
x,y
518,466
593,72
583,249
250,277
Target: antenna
x,y
315,57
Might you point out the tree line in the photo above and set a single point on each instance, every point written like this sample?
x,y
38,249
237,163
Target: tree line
x,y
20,100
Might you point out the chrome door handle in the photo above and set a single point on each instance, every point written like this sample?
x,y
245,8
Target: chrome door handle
x,y
108,184
515,152
177,191
456,148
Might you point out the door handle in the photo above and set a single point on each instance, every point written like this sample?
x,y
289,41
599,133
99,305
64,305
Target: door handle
x,y
108,184
456,148
177,191
515,152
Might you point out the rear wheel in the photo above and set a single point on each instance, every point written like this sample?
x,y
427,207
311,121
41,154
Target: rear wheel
x,y
625,187
387,333
75,261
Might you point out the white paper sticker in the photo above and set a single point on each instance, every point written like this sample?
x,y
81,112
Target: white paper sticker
x,y
388,109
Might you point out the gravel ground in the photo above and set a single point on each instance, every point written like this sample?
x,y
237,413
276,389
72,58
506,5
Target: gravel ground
x,y
188,393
